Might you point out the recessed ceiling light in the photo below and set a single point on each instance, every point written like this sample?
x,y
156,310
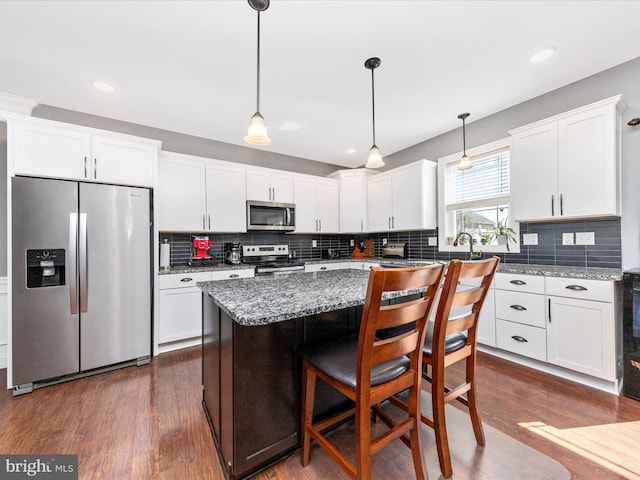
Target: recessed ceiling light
x,y
103,86
351,150
542,55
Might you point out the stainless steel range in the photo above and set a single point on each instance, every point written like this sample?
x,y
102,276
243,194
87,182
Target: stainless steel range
x,y
271,259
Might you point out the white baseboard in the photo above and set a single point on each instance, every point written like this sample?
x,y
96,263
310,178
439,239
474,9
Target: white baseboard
x,y
189,342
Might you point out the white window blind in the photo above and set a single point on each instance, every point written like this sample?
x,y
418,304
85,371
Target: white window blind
x,y
486,184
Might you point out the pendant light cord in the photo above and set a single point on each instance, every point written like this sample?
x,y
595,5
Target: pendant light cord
x,y
464,139
373,106
258,69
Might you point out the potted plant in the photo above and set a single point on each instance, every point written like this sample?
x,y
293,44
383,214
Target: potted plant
x,y
503,234
485,239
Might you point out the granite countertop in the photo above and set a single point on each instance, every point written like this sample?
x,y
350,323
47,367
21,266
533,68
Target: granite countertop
x,y
178,269
265,300
591,273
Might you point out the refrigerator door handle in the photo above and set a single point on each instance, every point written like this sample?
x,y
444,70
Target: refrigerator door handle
x,y
82,258
73,262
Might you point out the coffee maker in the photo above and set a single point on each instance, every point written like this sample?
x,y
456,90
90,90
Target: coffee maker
x,y
232,253
200,255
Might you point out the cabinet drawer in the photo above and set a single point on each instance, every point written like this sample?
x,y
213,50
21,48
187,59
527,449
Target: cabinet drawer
x,y
525,308
321,267
521,339
598,290
235,273
183,280
520,283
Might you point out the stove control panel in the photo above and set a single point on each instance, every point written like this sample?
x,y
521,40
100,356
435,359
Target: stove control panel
x,y
265,250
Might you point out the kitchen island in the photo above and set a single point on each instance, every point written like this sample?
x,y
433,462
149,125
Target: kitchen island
x,y
253,330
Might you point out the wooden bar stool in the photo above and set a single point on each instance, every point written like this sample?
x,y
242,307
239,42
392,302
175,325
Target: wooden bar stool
x,y
451,337
369,370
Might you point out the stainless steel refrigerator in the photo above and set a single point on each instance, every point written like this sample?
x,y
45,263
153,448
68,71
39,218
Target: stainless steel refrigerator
x,y
81,279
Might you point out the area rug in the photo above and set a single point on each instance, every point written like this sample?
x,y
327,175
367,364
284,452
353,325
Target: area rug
x,y
501,458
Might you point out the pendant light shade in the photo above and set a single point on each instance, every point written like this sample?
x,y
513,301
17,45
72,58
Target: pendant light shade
x,y
374,159
257,133
465,163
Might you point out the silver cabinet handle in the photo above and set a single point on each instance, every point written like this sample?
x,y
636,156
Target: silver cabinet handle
x,y
274,193
393,221
561,206
234,275
186,279
520,308
577,288
389,222
320,225
549,310
73,266
204,221
520,339
85,166
209,217
316,225
361,225
518,282
82,258
95,168
323,268
552,205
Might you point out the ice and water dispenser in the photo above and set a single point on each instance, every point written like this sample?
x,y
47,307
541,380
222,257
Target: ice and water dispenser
x,y
45,268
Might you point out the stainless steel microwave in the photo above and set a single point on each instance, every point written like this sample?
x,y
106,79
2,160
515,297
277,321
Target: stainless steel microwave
x,y
271,216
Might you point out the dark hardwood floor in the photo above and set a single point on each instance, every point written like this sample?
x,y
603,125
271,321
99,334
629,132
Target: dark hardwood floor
x,y
148,422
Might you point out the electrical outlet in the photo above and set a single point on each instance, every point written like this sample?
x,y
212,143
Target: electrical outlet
x,y
530,239
567,238
352,243
585,238
384,242
433,241
314,243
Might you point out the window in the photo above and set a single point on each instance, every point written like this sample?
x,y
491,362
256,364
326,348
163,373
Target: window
x,y
476,200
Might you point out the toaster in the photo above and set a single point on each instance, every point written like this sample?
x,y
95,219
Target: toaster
x,y
394,250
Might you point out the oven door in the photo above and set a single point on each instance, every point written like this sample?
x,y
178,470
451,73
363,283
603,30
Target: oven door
x,y
270,216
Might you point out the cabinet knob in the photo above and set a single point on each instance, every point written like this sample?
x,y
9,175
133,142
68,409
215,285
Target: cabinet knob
x,y
518,307
518,282
186,279
234,275
323,268
520,339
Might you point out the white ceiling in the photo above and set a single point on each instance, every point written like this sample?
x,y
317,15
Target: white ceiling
x,y
189,66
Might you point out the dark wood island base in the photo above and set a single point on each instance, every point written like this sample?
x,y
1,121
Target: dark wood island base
x,y
251,380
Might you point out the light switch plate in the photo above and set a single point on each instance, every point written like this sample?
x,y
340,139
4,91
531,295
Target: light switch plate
x,y
352,242
314,243
585,238
384,242
433,241
530,239
567,238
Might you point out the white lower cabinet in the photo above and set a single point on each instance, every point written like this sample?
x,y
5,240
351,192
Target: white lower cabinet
x,y
486,328
581,334
322,267
180,323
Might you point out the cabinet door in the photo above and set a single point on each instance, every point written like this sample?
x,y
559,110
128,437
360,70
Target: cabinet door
x,y
328,206
181,195
50,152
534,174
117,160
486,328
226,199
180,314
587,164
580,336
282,188
408,200
306,204
259,186
353,210
379,203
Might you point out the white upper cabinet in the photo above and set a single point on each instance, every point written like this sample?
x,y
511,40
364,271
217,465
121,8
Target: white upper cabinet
x,y
58,150
196,194
568,166
317,204
353,199
403,198
269,185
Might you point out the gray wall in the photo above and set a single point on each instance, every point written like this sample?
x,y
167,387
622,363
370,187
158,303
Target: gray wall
x,y
178,142
622,79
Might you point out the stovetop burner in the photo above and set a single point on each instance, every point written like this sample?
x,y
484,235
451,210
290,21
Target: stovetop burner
x,y
270,259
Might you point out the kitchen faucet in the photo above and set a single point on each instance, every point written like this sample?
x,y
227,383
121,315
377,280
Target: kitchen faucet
x,y
472,255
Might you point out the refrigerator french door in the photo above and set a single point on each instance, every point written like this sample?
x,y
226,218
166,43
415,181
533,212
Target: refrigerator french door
x,y
81,278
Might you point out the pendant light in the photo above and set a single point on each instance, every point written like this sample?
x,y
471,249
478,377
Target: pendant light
x,y
257,133
465,163
374,160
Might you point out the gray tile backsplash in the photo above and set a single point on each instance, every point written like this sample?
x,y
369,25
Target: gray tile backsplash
x,y
550,251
